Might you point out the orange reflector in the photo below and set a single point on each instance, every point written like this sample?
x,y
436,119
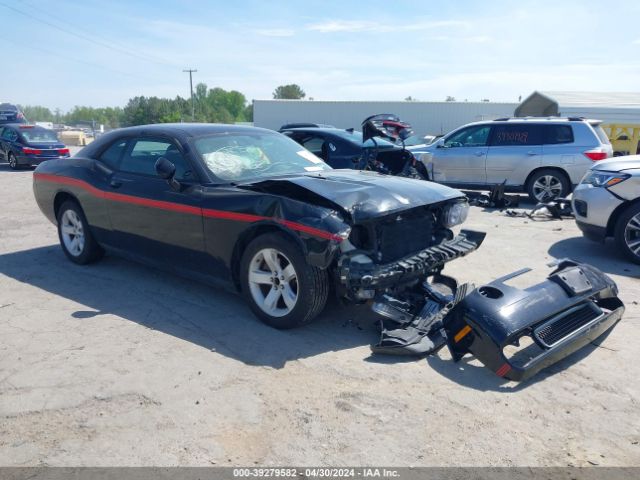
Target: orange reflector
x,y
460,335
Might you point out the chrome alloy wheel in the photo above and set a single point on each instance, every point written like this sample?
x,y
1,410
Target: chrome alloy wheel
x,y
547,187
632,234
273,282
72,233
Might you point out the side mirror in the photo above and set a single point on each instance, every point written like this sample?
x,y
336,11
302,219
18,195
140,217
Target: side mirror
x,y
167,170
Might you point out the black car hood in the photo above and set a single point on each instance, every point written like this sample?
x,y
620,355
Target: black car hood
x,y
360,194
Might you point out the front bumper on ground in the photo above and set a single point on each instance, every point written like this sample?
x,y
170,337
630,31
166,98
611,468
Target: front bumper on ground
x,y
574,306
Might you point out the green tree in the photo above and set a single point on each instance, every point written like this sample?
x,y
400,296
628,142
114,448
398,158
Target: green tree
x,y
37,113
290,92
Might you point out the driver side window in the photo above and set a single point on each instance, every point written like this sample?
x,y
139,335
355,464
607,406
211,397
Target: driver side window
x,y
476,136
143,153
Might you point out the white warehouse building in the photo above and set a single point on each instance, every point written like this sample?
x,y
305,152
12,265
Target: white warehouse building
x,y
427,118
436,118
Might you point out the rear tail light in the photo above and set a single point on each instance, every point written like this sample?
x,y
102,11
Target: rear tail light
x,y
595,155
63,151
31,151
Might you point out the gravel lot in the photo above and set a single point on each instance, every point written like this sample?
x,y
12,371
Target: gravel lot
x,y
118,364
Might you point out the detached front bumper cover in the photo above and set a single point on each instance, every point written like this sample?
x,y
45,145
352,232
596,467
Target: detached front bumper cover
x,y
575,305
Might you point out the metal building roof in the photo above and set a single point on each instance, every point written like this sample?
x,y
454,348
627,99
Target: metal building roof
x,y
542,103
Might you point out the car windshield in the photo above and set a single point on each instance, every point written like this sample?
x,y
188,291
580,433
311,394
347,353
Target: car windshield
x,y
39,135
240,157
355,137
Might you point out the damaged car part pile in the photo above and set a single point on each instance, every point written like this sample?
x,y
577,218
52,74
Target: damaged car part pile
x,y
513,332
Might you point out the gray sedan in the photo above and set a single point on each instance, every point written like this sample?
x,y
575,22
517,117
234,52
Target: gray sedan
x,y
607,203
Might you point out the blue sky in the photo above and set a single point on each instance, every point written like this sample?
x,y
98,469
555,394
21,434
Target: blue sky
x,y
99,53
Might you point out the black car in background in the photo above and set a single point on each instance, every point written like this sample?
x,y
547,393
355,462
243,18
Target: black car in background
x,y
346,149
29,145
11,114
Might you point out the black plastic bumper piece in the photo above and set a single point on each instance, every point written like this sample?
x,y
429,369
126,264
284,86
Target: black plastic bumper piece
x,y
574,306
358,275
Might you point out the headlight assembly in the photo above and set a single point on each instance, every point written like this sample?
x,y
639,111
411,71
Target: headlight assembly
x,y
455,214
599,178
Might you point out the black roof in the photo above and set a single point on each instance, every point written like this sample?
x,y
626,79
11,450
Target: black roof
x,y
189,129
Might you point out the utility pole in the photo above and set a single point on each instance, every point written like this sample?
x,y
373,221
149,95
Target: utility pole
x,y
193,105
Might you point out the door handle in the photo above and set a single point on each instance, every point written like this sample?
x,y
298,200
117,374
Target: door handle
x,y
115,184
531,154
479,154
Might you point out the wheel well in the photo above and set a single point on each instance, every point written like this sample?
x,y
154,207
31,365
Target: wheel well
x,y
246,238
613,218
558,169
60,198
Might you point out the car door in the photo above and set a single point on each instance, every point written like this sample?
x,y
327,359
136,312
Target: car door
x,y
461,157
515,149
149,218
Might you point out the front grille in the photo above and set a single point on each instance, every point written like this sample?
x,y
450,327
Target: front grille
x,y
566,323
404,235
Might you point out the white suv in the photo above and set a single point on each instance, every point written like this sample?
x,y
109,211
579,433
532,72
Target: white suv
x,y
544,157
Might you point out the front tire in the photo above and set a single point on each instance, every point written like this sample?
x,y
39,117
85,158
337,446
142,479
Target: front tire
x,y
548,184
627,232
75,235
13,162
282,289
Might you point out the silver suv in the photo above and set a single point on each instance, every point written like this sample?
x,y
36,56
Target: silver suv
x,y
544,157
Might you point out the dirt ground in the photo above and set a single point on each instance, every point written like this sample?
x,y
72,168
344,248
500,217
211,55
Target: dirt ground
x,y
118,364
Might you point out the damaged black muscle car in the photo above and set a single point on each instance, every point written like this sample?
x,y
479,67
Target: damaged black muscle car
x,y
252,207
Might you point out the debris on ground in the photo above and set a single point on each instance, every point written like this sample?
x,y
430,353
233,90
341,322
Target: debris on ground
x,y
495,199
554,210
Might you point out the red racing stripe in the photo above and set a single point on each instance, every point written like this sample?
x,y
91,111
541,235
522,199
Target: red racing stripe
x,y
177,207
503,370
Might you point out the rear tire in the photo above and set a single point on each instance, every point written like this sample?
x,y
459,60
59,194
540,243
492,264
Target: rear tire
x,y
548,184
282,289
13,161
627,232
75,235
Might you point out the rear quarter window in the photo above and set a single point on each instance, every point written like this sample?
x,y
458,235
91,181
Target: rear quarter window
x,y
557,134
111,156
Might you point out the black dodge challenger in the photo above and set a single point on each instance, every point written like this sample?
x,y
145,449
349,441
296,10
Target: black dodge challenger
x,y
253,207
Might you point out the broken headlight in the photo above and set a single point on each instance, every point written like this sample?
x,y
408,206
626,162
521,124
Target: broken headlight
x,y
599,178
455,214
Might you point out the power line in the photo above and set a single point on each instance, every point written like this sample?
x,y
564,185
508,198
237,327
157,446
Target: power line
x,y
84,37
72,58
